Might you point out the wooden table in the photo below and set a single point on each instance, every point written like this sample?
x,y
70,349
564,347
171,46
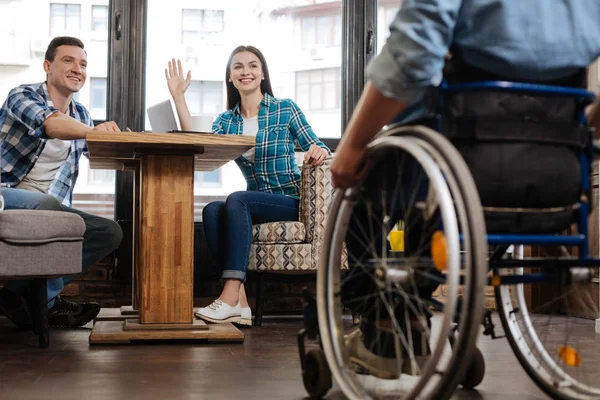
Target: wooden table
x,y
164,165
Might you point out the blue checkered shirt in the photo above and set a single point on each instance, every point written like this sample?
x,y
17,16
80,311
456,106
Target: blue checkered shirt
x,y
22,139
281,124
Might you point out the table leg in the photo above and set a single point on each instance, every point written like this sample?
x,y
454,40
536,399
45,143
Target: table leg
x,y
167,236
165,260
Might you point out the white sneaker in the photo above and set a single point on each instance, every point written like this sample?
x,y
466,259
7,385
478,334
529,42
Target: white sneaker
x,y
219,312
246,318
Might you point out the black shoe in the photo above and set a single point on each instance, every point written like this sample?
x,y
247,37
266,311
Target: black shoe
x,y
15,308
70,314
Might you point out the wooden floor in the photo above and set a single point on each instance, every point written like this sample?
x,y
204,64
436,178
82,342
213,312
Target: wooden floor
x,y
265,366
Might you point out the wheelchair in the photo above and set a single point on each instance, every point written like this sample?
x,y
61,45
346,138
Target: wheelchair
x,y
461,215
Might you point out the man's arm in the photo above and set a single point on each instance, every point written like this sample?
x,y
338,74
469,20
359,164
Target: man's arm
x,y
30,109
61,126
373,111
410,63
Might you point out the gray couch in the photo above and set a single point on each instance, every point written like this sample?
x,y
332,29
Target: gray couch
x,y
36,245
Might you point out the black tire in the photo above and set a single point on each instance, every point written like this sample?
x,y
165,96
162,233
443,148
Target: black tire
x,y
476,371
316,375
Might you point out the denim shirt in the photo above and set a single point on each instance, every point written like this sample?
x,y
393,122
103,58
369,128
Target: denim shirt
x,y
22,138
281,124
531,40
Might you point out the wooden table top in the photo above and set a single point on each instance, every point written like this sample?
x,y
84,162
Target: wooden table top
x,y
117,150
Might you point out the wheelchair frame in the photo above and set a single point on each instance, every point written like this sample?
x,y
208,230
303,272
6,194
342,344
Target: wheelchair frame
x,y
582,98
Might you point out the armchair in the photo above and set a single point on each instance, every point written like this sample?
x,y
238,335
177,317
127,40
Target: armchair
x,y
293,246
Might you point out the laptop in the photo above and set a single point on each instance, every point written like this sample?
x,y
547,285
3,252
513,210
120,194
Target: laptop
x,y
162,118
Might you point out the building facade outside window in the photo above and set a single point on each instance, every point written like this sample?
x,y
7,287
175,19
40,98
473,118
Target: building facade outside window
x,y
208,179
202,26
205,97
98,98
100,23
321,30
65,18
319,89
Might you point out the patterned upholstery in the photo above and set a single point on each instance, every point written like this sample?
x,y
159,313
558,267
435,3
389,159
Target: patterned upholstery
x,y
277,232
296,246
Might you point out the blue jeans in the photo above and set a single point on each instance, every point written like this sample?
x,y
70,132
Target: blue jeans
x,y
100,238
228,226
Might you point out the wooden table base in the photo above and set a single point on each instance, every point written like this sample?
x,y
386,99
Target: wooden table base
x,y
117,314
116,332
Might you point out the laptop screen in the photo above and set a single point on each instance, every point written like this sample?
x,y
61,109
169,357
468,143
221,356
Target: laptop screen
x,y
162,118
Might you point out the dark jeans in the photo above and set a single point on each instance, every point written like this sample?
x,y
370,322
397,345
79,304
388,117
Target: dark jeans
x,y
228,226
101,236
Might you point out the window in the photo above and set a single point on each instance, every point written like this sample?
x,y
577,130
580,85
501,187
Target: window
x,y
208,179
324,30
98,98
205,97
100,22
64,18
319,89
202,25
209,31
101,177
387,12
94,190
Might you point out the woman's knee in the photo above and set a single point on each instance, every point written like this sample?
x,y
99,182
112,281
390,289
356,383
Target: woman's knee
x,y
236,200
212,210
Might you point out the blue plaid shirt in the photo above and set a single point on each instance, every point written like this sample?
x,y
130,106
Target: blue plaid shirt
x,y
22,138
281,124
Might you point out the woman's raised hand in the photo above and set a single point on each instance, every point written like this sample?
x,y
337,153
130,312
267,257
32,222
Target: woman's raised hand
x,y
175,81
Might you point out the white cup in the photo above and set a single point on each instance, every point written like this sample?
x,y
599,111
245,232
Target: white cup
x,y
202,123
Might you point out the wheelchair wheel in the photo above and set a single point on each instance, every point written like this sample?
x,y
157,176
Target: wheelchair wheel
x,y
316,375
417,176
555,339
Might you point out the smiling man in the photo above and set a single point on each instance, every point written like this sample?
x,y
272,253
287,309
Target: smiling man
x,y
42,137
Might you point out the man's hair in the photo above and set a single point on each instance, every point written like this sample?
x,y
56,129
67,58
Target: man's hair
x,y
61,41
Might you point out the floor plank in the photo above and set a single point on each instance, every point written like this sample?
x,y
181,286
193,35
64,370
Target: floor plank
x,y
265,366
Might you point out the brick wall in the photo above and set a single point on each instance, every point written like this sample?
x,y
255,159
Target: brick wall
x,y
101,283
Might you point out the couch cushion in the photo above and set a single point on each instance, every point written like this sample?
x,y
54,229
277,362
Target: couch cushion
x,y
279,232
37,226
30,260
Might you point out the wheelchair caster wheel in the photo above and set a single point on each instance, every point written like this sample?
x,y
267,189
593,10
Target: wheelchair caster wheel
x,y
316,375
474,375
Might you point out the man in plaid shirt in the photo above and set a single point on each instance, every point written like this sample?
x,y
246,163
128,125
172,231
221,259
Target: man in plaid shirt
x,y
42,137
